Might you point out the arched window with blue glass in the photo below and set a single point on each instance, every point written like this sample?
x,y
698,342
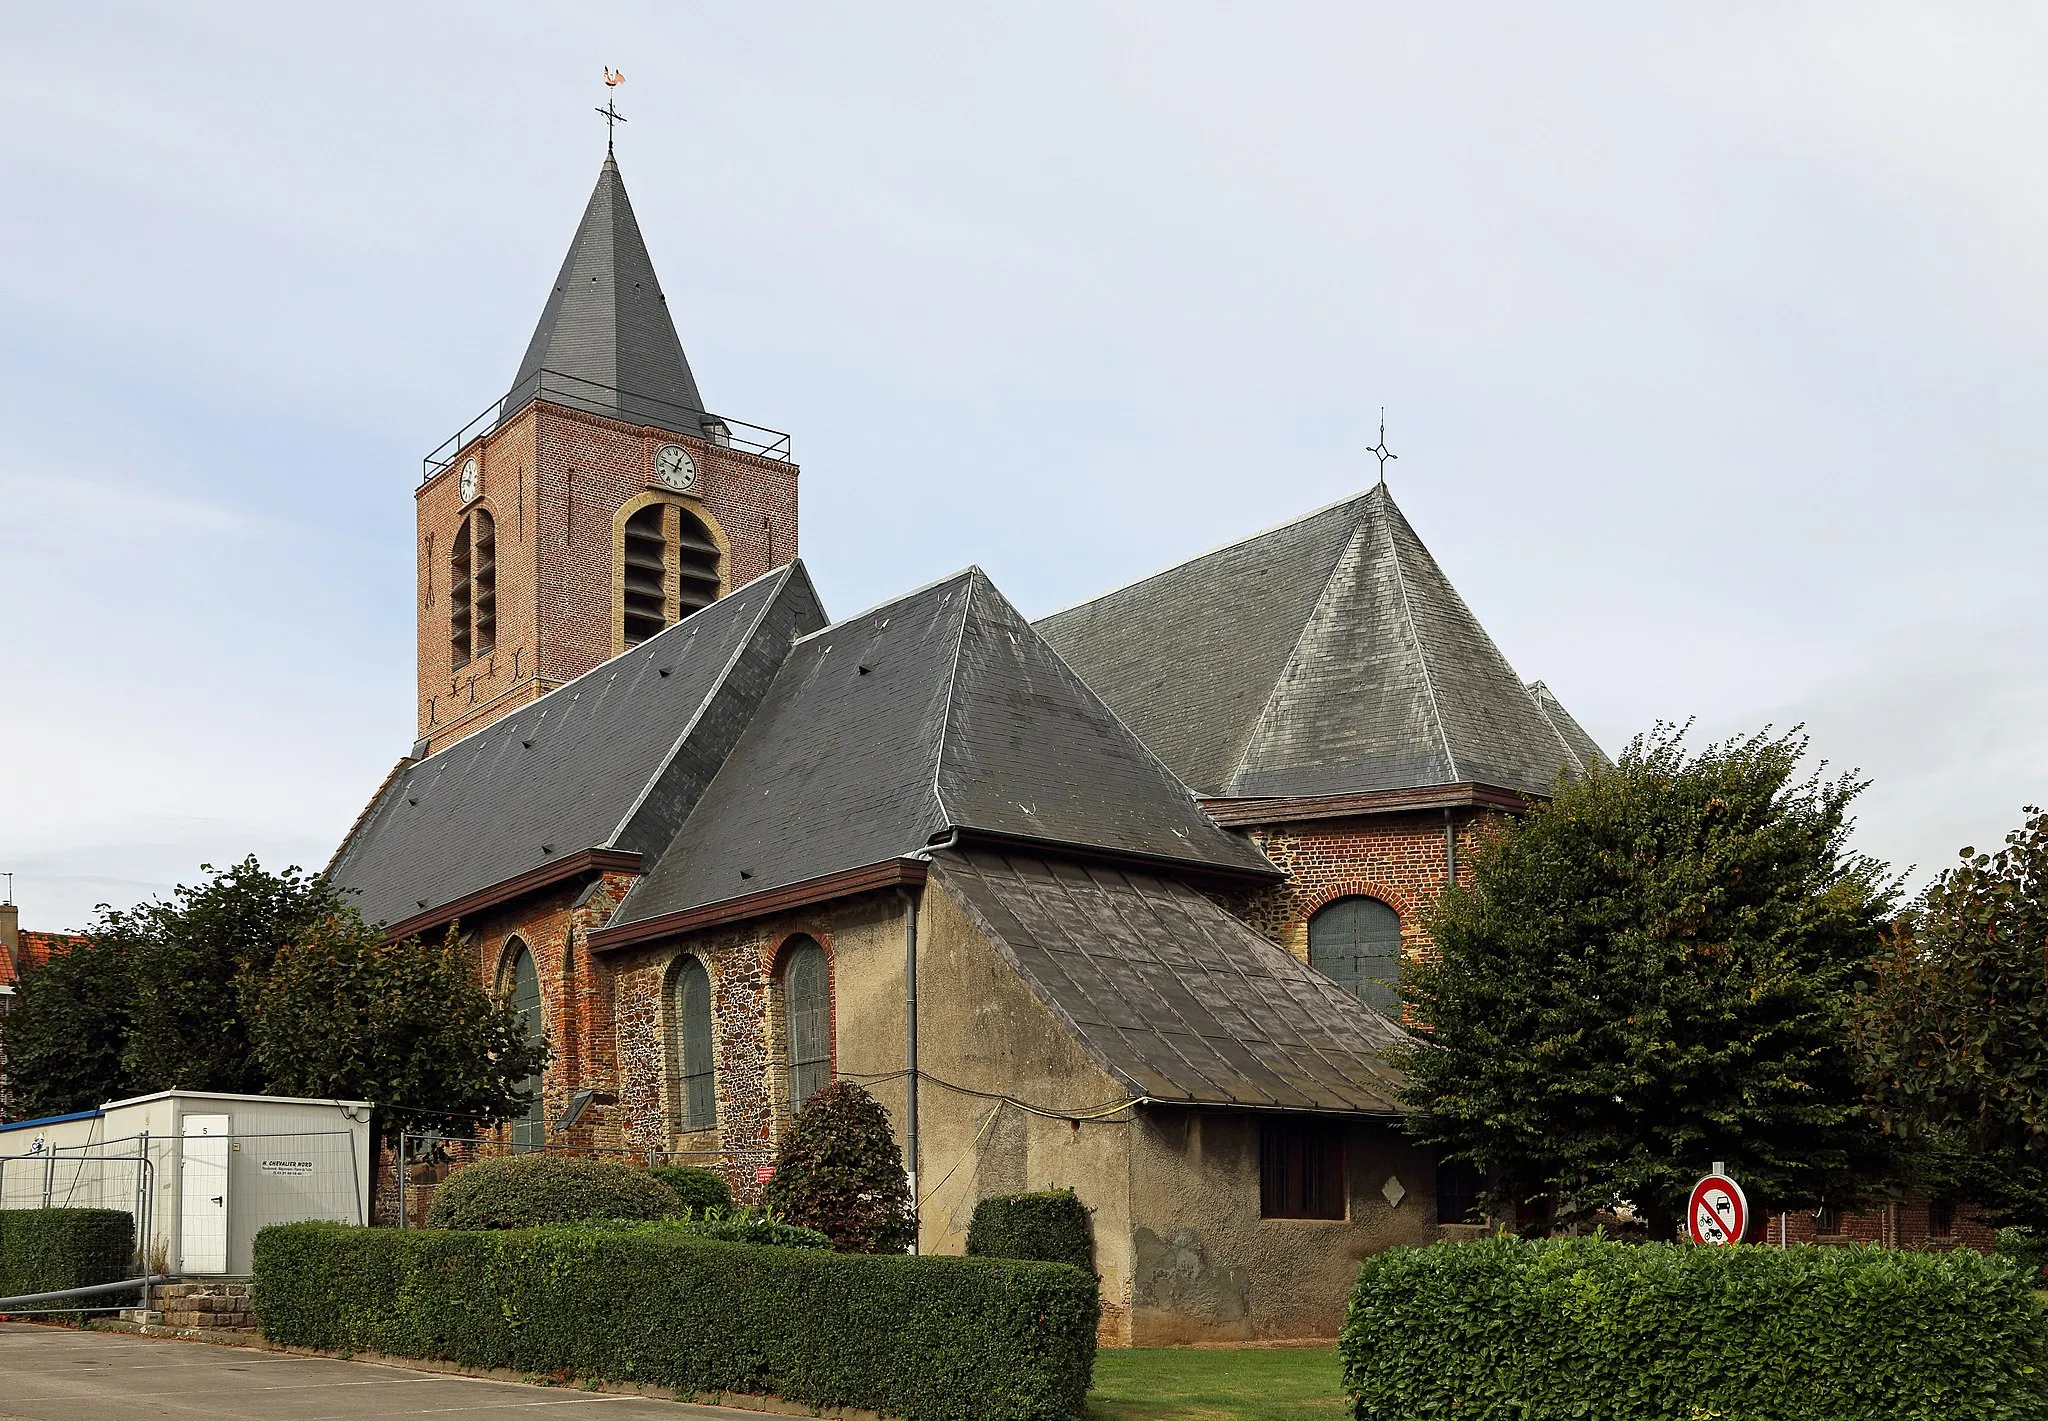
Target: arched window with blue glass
x,y
695,1106
1356,943
519,985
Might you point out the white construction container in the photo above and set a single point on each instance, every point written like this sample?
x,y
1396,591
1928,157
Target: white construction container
x,y
201,1172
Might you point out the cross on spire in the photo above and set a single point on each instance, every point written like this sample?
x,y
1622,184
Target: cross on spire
x,y
1380,450
612,117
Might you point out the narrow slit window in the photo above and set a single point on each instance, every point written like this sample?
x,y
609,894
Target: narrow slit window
x,y
461,588
696,1077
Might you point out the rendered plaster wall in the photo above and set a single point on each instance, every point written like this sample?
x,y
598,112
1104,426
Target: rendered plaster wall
x,y
981,1028
1208,1268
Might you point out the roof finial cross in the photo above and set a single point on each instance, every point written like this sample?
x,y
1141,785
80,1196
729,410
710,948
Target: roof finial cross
x,y
1380,450
612,117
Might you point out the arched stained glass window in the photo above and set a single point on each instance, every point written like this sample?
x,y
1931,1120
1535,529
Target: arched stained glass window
x,y
1356,943
807,1002
696,1104
520,984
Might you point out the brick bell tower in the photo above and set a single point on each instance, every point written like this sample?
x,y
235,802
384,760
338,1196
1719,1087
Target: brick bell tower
x,y
597,503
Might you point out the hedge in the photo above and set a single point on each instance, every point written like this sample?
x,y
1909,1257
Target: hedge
x,y
42,1250
919,1337
747,1226
529,1190
1053,1227
1600,1331
697,1188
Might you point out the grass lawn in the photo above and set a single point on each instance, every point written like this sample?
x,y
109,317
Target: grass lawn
x,y
1217,1384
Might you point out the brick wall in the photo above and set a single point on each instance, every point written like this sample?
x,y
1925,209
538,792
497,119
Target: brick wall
x,y
1905,1223
1399,859
553,479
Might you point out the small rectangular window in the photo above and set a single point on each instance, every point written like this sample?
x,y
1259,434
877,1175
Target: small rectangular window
x,y
1828,1221
1457,1192
1941,1218
1301,1170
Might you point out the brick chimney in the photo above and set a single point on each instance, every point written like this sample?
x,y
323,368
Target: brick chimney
x,y
10,936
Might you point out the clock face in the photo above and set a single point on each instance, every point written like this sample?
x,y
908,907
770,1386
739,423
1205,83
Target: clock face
x,y
674,466
467,488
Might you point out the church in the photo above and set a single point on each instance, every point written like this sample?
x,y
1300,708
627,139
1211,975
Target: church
x,y
1117,900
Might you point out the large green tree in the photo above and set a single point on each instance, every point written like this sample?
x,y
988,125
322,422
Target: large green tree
x,y
63,1034
1955,1033
1655,971
260,981
344,1013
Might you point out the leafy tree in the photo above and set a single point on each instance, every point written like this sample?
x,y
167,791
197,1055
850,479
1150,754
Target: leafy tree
x,y
188,1024
342,1013
63,1034
1655,971
1954,1035
840,1172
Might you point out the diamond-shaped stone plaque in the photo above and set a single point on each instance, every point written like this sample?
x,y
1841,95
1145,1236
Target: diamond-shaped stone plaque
x,y
1393,1191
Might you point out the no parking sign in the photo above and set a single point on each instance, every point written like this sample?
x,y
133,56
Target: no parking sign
x,y
1718,1213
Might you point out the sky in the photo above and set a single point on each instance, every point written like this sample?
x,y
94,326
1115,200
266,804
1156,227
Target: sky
x,y
1710,339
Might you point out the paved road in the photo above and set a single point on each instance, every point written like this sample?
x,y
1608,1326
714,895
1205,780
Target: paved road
x,y
55,1374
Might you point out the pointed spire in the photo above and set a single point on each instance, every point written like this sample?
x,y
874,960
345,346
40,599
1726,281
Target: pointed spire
x,y
605,342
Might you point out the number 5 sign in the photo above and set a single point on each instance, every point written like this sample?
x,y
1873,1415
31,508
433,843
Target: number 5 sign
x,y
1718,1214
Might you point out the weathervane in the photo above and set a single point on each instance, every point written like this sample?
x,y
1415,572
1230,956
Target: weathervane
x,y
612,117
1380,450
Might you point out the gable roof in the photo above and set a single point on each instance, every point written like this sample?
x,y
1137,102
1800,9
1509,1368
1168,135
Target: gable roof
x,y
606,342
1173,996
1327,656
36,949
612,760
940,711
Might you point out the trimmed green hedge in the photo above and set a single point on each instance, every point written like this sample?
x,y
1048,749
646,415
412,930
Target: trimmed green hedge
x,y
697,1188
1052,1227
1593,1330
920,1337
42,1250
527,1191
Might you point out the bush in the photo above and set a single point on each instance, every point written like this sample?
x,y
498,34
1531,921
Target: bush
x,y
1053,1227
1601,1331
697,1188
2026,1248
840,1172
43,1250
525,1191
933,1337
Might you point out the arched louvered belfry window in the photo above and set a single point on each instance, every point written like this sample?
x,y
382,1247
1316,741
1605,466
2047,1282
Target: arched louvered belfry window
x,y
646,573
669,567
697,573
519,984
1356,943
807,1011
696,1092
473,589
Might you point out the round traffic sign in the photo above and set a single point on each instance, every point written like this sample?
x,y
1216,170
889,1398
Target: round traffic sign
x,y
1718,1213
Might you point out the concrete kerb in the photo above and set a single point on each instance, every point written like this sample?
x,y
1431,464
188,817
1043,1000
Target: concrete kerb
x,y
731,1400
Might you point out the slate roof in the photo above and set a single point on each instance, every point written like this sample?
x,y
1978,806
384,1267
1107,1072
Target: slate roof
x,y
943,710
614,759
605,341
1173,996
1327,656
